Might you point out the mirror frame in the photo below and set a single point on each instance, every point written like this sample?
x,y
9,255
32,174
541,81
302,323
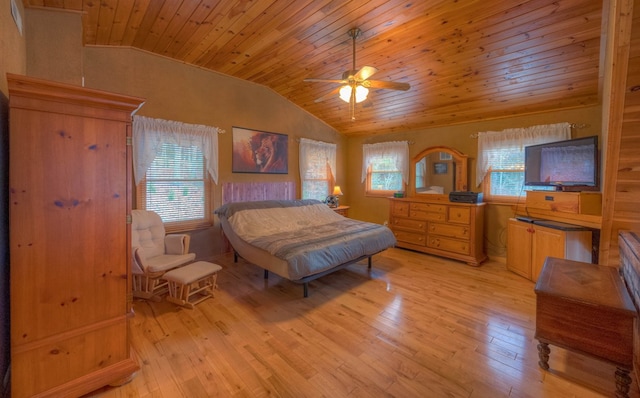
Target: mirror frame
x,y
460,160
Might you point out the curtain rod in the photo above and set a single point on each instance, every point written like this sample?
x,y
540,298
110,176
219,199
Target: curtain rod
x,y
382,142
574,126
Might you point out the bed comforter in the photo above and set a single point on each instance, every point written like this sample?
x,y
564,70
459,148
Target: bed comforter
x,y
307,234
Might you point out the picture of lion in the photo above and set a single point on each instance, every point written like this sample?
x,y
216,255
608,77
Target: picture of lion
x,y
259,152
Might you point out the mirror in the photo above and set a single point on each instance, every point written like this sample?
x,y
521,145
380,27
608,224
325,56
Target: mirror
x,y
438,171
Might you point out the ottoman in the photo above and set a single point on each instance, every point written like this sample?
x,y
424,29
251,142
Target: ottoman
x,y
192,283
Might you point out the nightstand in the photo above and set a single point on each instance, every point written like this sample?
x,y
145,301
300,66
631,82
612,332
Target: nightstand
x,y
342,210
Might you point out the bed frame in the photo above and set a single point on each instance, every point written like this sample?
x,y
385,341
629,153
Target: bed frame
x,y
244,192
305,281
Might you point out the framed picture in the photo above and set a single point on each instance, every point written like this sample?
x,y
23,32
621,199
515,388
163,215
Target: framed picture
x,y
256,151
440,168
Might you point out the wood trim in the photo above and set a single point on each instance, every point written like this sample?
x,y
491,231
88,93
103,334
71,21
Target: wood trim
x,y
585,220
619,37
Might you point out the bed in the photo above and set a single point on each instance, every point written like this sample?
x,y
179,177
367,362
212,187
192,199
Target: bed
x,y
299,240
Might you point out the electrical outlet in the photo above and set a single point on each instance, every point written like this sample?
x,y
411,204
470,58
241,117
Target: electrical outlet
x,y
385,223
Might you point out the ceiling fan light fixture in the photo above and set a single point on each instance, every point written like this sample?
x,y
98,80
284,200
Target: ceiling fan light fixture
x,y
361,93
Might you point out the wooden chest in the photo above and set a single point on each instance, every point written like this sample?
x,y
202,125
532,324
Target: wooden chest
x,y
629,245
585,308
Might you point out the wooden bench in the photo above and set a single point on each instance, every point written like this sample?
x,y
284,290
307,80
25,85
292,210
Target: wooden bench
x,y
585,308
192,283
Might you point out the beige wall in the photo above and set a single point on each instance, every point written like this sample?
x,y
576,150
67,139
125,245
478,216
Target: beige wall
x,y
13,46
175,91
13,59
458,137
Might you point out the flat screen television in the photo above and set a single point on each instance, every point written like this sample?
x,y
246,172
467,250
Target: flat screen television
x,y
569,165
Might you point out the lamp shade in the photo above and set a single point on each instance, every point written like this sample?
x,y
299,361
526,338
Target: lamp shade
x,y
361,93
337,191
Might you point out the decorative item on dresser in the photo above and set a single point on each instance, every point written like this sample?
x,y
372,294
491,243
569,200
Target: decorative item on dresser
x,y
427,221
70,178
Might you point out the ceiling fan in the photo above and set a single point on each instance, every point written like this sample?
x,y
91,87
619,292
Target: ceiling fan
x,y
355,83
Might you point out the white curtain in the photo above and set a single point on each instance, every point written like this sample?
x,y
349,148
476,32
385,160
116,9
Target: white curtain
x,y
492,144
149,135
396,150
311,150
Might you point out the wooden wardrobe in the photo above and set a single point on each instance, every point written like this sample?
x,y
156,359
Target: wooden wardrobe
x,y
70,276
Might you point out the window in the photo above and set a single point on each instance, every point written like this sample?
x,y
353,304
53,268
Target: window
x,y
500,165
176,186
173,163
317,165
385,167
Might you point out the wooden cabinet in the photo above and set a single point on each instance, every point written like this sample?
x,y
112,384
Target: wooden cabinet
x,y
565,202
453,230
70,279
528,245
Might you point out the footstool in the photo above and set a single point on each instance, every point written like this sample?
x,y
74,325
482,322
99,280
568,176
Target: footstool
x,y
192,283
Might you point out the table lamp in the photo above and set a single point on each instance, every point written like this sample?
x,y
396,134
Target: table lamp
x,y
332,200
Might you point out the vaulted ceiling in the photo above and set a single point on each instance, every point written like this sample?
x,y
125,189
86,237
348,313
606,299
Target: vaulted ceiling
x,y
465,60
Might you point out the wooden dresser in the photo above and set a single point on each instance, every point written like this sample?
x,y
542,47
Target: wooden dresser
x,y
70,197
443,228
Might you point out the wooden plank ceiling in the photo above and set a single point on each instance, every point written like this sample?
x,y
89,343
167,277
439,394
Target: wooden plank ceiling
x,y
466,60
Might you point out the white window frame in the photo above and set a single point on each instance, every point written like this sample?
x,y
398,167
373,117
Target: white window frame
x,y
397,152
142,194
317,159
149,136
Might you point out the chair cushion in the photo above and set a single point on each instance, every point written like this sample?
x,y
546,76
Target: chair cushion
x,y
166,262
192,272
147,232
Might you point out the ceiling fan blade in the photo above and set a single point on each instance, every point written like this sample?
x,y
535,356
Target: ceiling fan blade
x,y
326,80
365,72
352,103
330,94
386,85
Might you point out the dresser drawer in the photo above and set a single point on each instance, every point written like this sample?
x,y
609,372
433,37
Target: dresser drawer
x,y
461,215
414,238
400,209
428,207
409,223
423,215
451,245
449,230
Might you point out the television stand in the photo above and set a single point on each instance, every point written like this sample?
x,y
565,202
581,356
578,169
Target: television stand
x,y
577,188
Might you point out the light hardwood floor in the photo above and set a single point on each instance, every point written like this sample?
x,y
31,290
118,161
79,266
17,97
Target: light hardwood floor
x,y
414,326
